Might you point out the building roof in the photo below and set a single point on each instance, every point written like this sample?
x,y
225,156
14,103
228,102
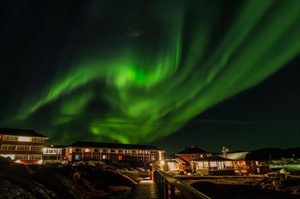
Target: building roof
x,y
212,158
20,132
240,156
55,146
112,145
192,150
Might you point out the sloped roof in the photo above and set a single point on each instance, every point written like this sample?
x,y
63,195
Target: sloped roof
x,y
212,158
20,132
55,146
180,160
192,150
112,145
240,156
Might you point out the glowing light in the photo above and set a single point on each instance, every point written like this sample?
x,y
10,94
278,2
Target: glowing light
x,y
160,156
11,156
24,139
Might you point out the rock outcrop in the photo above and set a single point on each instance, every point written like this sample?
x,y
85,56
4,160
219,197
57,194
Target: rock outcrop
x,y
56,181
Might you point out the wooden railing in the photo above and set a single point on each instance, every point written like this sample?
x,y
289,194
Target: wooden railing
x,y
167,184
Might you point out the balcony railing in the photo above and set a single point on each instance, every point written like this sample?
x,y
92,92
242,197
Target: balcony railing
x,y
167,184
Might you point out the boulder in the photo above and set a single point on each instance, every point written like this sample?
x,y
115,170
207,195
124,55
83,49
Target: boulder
x,y
12,191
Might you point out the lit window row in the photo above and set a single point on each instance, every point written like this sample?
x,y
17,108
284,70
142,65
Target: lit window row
x,y
52,151
23,139
117,157
89,150
23,157
6,147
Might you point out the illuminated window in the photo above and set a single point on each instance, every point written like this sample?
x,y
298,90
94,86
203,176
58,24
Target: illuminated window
x,y
37,139
10,138
127,151
24,139
120,157
159,155
35,157
59,151
23,148
21,157
213,164
87,150
36,148
77,157
49,151
104,157
140,151
5,147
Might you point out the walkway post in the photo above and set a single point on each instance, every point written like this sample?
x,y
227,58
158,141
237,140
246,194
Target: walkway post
x,y
152,172
166,189
172,191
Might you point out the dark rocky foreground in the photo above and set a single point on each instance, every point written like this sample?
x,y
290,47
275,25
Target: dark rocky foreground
x,y
83,180
265,188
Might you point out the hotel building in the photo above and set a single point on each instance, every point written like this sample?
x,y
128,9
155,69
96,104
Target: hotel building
x,y
22,146
84,151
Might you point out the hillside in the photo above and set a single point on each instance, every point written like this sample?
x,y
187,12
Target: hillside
x,y
55,181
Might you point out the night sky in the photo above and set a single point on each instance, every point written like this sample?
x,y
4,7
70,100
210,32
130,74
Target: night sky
x,y
167,73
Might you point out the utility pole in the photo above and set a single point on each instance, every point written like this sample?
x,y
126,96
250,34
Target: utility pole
x,y
225,150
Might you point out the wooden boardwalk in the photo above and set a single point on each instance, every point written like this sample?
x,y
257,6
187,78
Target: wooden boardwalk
x,y
146,189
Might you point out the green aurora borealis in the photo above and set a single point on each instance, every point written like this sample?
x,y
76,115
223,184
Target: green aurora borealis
x,y
153,65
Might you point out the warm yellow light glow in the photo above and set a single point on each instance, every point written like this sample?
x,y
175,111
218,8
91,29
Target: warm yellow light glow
x,y
87,150
8,156
159,155
24,139
162,162
173,166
